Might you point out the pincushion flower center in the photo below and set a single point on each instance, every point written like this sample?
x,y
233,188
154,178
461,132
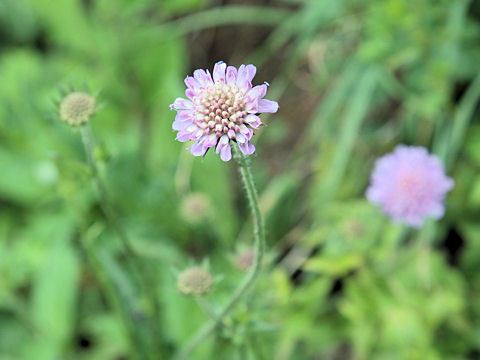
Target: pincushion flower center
x,y
221,109
411,185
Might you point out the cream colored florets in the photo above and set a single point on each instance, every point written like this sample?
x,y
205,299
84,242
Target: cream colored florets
x,y
77,108
194,281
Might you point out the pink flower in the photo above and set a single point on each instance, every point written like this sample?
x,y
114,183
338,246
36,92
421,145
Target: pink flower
x,y
410,185
221,109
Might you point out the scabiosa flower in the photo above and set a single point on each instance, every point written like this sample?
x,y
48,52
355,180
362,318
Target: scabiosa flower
x,y
410,185
195,208
221,109
77,108
194,281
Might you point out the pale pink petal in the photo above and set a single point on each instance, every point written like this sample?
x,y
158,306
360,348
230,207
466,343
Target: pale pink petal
x,y
203,77
181,124
219,72
187,134
211,140
243,78
223,147
226,153
267,106
241,139
199,148
182,104
245,131
247,148
253,120
192,83
252,107
251,71
182,136
231,75
257,92
184,115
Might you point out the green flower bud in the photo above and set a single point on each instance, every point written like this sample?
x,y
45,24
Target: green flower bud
x,y
194,281
77,108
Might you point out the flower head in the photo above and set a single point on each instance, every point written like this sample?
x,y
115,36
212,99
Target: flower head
x,y
410,185
244,260
77,108
221,108
194,280
195,207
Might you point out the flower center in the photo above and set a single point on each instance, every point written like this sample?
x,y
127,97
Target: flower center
x,y
411,186
77,108
220,108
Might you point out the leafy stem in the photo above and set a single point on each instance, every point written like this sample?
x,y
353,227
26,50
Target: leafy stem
x,y
247,283
142,274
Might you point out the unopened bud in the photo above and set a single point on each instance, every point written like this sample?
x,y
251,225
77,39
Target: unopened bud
x,y
77,108
194,281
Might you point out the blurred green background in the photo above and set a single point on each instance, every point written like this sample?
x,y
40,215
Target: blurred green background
x,y
353,79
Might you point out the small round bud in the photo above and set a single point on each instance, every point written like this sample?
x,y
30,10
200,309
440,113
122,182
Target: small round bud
x,y
194,281
195,207
244,260
77,108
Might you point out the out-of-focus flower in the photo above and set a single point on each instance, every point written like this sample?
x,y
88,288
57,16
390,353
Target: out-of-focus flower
x,y
221,108
194,281
195,207
244,260
410,185
77,108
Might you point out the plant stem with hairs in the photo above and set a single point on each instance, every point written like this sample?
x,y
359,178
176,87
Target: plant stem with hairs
x,y
143,276
259,239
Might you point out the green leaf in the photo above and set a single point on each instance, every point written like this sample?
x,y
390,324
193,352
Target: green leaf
x,y
54,301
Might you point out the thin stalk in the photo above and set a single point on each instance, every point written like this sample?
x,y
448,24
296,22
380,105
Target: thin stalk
x,y
206,307
259,239
111,292
142,274
108,287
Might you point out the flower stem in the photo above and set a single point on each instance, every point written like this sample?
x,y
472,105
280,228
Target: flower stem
x,y
112,296
206,307
259,238
143,276
108,286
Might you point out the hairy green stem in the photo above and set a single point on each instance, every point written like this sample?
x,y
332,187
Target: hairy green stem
x,y
143,276
206,307
259,239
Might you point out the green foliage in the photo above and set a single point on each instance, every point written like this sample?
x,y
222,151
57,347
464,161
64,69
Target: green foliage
x,y
353,79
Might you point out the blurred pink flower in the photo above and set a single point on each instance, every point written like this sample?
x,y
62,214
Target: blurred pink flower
x,y
221,109
410,185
